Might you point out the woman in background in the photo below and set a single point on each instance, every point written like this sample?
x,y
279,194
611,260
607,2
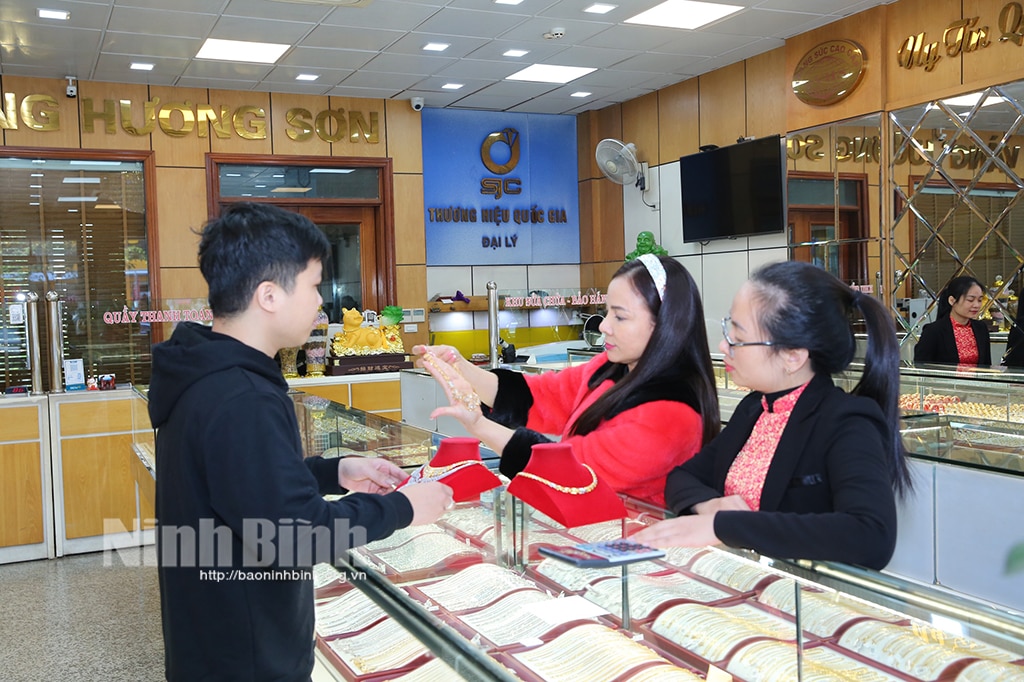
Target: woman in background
x,y
803,469
643,406
957,337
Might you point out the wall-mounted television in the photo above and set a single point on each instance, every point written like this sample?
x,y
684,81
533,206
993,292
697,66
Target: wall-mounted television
x,y
734,191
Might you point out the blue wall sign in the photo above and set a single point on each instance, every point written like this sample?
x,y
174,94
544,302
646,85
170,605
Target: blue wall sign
x,y
500,188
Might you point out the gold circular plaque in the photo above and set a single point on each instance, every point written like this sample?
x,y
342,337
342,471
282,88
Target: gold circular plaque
x,y
829,72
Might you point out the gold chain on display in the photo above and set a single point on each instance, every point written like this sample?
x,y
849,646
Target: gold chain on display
x,y
474,586
507,621
417,554
568,490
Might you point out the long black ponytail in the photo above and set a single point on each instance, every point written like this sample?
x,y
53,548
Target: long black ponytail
x,y
805,307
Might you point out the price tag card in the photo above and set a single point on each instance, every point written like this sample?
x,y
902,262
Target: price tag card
x,y
74,375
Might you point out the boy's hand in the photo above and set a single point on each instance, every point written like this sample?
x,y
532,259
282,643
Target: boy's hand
x,y
369,475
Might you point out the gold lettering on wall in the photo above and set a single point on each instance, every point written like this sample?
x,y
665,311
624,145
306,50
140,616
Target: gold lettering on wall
x,y
960,37
40,112
1011,21
180,119
9,115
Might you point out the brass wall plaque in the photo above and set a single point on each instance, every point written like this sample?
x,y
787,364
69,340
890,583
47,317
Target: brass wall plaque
x,y
829,72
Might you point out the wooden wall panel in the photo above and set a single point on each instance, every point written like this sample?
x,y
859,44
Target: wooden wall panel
x,y
909,18
182,283
181,209
586,190
368,108
404,136
607,220
678,120
65,115
603,273
377,395
187,150
600,124
98,483
21,493
20,423
95,416
412,293
336,392
584,123
640,126
410,235
766,101
1000,62
280,103
99,138
235,144
867,29
723,109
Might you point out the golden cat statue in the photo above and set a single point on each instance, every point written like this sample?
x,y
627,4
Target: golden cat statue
x,y
356,339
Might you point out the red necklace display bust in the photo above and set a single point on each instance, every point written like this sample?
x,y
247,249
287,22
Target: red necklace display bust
x,y
556,483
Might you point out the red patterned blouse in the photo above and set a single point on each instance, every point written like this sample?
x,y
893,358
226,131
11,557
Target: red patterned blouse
x,y
966,344
747,473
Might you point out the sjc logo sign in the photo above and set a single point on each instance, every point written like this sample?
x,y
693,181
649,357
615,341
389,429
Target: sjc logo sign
x,y
506,144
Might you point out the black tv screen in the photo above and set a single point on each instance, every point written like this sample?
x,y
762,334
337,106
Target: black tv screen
x,y
734,191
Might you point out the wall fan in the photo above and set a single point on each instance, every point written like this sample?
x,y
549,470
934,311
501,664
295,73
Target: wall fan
x,y
617,160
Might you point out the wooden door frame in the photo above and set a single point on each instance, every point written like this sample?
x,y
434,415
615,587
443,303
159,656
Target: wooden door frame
x,y
383,285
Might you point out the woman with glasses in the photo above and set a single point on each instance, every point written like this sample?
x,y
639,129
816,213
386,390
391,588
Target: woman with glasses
x,y
957,337
803,469
643,406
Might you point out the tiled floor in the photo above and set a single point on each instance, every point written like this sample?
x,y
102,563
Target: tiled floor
x,y
85,618
76,619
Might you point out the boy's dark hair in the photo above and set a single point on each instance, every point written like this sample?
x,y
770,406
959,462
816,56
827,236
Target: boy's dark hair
x,y
251,243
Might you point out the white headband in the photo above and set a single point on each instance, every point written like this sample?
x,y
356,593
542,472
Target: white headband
x,y
657,272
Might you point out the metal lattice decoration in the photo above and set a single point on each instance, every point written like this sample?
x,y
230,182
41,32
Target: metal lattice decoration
x,y
955,172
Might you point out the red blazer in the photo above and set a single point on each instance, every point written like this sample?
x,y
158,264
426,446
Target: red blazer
x,y
632,451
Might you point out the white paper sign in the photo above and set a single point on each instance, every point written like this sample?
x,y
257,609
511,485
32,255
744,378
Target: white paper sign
x,y
16,313
74,375
565,609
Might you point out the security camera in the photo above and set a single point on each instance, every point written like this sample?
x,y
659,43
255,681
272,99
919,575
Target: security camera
x,y
416,103
72,89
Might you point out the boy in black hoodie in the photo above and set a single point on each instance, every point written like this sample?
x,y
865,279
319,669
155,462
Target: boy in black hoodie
x,y
241,517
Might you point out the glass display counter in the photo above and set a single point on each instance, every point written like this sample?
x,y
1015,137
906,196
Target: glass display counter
x,y
471,597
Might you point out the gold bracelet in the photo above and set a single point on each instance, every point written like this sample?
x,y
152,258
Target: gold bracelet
x,y
568,490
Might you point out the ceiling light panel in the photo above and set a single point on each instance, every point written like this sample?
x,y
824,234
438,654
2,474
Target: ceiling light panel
x,y
60,15
600,8
683,14
241,51
550,73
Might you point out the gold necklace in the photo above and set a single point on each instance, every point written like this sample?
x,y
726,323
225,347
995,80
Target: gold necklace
x,y
432,473
568,490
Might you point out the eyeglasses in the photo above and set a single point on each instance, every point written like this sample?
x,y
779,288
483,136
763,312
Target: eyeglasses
x,y
736,344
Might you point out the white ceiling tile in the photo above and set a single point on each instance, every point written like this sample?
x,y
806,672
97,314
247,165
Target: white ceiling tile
x,y
204,68
458,46
538,51
756,22
362,39
480,69
396,16
156,46
161,22
368,93
535,28
399,63
634,38
260,30
282,74
320,57
703,43
597,57
280,11
462,22
385,81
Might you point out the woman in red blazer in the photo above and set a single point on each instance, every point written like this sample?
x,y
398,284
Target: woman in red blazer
x,y
803,469
631,414
957,337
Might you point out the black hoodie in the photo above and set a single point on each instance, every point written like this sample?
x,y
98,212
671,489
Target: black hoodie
x,y
232,488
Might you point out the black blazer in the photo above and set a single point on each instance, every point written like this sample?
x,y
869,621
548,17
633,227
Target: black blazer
x,y
1014,356
938,345
827,495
